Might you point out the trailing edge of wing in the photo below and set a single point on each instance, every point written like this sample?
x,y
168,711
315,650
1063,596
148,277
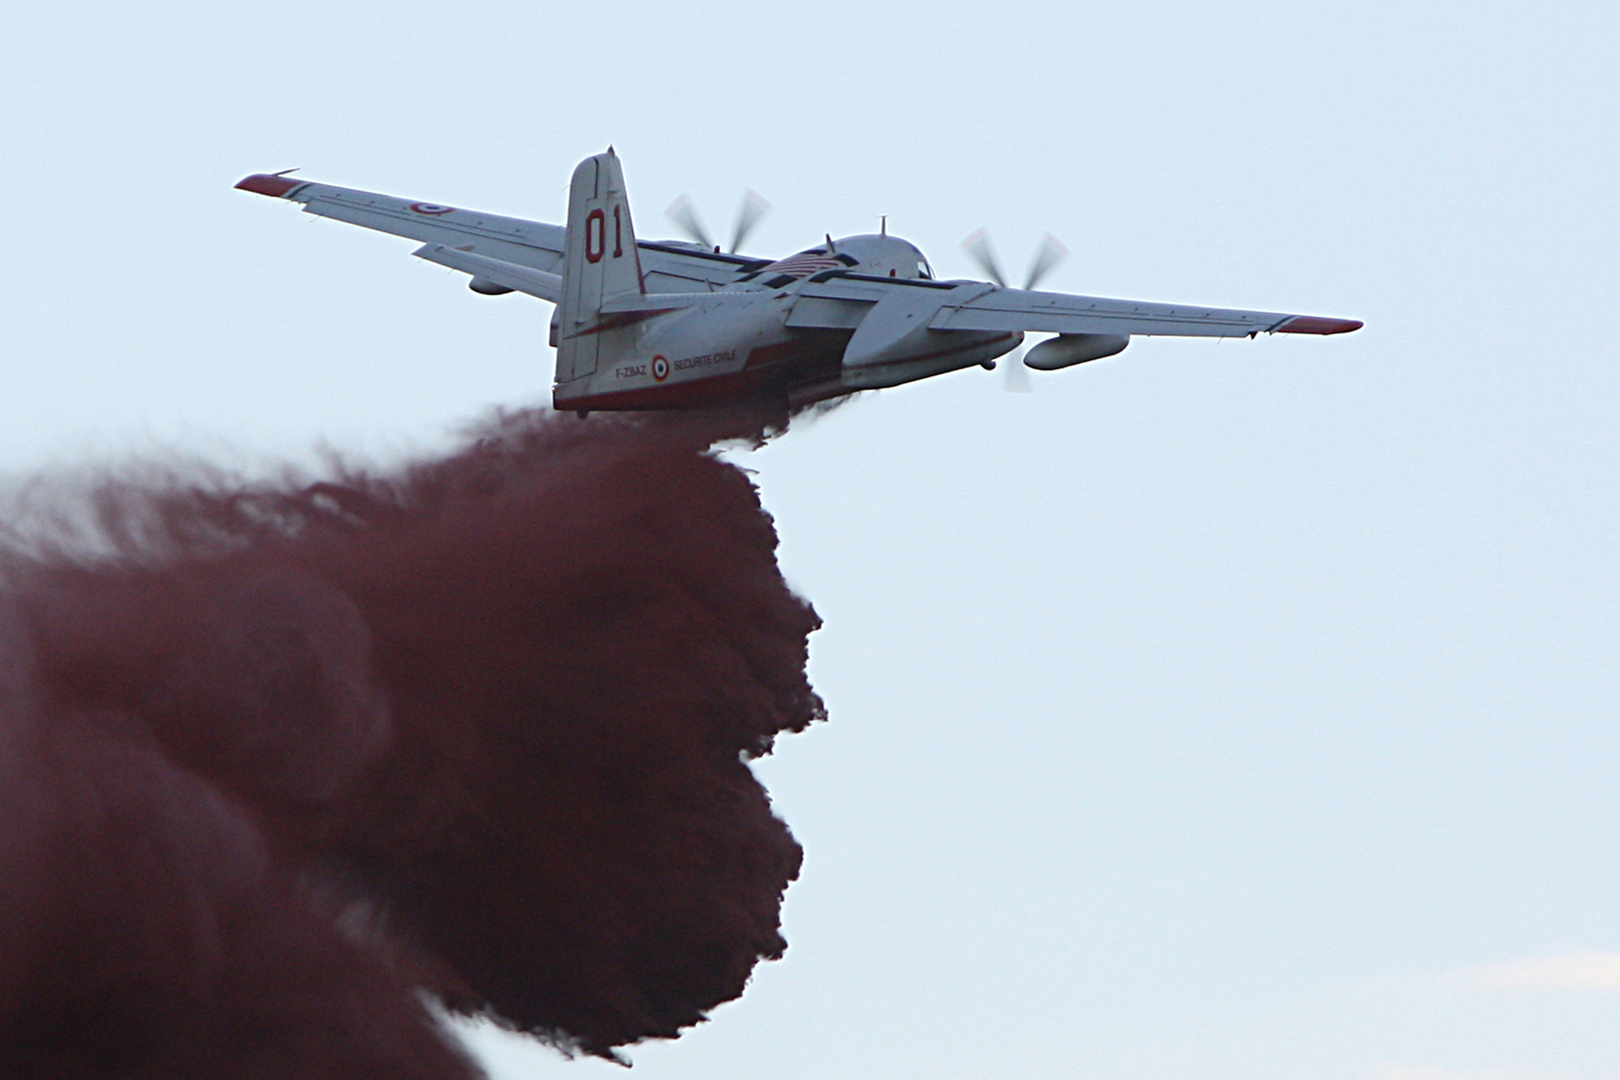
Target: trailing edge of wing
x,y
513,240
667,268
842,301
1062,313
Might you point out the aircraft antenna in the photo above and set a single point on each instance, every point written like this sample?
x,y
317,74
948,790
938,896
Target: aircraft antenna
x,y
883,224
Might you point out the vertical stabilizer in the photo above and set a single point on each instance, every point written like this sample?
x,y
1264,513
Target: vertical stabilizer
x,y
600,262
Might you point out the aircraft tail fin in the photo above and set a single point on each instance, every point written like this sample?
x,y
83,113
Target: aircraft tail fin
x,y
600,262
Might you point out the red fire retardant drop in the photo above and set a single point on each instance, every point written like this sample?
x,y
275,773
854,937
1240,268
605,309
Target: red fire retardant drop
x,y
272,760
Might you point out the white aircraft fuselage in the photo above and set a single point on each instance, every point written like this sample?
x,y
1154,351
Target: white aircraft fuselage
x,y
743,339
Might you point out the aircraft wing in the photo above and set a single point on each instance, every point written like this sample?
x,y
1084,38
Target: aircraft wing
x,y
1064,313
526,243
667,267
842,300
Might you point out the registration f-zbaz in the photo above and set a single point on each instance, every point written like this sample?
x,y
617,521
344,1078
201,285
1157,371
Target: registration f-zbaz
x,y
669,325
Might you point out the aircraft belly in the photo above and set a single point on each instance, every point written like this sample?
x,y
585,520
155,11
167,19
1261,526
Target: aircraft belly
x,y
934,354
895,342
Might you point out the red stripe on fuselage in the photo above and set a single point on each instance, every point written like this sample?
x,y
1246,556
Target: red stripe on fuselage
x,y
783,352
690,394
771,368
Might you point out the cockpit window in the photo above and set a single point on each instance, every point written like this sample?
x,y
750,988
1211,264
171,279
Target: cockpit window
x,y
924,270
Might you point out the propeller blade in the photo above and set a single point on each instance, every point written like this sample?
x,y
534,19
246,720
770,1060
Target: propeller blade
x,y
749,211
978,246
1015,377
1050,253
682,213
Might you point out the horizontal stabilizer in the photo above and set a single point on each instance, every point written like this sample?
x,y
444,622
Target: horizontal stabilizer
x,y
523,279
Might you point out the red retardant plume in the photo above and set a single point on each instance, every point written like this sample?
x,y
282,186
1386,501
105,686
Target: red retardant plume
x,y
273,760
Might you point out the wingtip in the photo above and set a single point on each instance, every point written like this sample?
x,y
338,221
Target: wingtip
x,y
273,184
1315,324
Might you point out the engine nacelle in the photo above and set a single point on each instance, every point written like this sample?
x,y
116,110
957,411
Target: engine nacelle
x,y
1066,350
486,287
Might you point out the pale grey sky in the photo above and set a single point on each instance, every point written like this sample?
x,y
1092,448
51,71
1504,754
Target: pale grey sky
x,y
1239,710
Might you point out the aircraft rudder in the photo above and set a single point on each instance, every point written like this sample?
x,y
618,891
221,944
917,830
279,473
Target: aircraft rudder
x,y
600,261
601,237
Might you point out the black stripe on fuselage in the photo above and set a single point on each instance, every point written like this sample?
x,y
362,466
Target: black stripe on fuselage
x,y
850,275
741,262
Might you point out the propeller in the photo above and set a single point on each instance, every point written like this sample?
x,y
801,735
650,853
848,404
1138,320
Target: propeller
x,y
1047,256
682,213
750,210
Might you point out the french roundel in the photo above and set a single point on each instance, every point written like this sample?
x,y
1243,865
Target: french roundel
x,y
431,209
660,368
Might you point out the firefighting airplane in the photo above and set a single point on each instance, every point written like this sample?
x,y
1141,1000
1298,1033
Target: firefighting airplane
x,y
643,324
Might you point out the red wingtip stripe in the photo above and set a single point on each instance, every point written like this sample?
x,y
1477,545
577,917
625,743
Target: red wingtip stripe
x,y
1313,324
267,184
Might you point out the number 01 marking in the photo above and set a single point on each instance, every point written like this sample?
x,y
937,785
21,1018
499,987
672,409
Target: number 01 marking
x,y
595,235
